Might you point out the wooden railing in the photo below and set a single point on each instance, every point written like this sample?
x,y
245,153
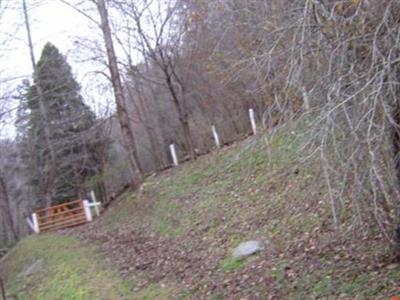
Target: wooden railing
x,y
61,216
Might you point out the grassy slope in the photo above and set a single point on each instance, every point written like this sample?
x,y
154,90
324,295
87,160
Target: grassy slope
x,y
256,189
248,192
68,270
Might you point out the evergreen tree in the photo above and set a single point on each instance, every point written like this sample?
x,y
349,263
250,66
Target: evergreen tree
x,y
62,170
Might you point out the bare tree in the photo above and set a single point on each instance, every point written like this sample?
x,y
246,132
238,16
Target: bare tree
x,y
161,44
352,50
49,177
141,96
118,89
7,215
115,78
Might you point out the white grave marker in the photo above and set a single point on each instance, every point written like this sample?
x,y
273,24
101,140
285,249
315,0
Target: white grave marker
x,y
173,154
216,136
253,121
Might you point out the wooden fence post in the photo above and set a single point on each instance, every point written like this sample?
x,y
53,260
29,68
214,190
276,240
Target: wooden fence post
x,y
173,154
253,121
216,136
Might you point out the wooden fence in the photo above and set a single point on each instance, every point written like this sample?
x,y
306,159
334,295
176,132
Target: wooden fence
x,y
61,216
64,215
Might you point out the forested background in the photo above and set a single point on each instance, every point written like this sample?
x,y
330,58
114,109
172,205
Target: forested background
x,y
178,67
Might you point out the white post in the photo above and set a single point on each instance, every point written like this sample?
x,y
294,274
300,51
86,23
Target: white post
x,y
96,204
30,223
216,137
306,99
86,208
253,121
35,223
173,154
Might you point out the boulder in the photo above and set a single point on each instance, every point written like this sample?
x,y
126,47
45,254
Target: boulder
x,y
246,249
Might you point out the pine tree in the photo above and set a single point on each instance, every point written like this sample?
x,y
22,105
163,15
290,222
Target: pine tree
x,y
62,170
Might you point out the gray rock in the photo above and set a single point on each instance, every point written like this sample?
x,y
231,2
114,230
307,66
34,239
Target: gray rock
x,y
247,248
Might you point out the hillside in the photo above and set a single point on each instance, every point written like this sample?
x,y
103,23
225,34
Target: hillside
x,y
174,237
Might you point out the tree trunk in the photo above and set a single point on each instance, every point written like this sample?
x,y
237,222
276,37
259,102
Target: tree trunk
x,y
188,138
101,187
7,208
143,118
182,114
48,199
396,157
147,121
119,94
158,129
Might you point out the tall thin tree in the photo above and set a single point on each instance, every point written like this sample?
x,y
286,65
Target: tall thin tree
x,y
118,90
48,194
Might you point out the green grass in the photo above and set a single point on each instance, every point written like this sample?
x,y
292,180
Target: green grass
x,y
231,264
256,189
121,213
324,287
154,292
342,283
200,189
69,270
258,177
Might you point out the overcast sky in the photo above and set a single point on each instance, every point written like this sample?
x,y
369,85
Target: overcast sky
x,y
51,21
